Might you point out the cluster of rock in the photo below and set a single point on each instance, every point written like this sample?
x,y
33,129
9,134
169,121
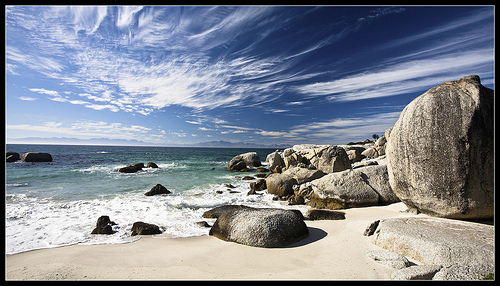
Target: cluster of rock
x,y
104,226
28,157
437,159
332,177
133,168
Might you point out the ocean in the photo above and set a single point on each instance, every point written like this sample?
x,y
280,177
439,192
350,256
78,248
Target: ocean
x,y
51,204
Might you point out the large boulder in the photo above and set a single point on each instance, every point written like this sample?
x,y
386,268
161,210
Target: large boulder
x,y
342,190
252,159
36,157
275,162
329,159
11,156
365,186
280,184
439,241
237,163
265,227
440,151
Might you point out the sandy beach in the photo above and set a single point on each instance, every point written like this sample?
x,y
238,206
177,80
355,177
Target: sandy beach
x,y
334,250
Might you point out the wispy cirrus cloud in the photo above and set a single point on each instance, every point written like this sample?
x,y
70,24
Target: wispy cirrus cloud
x,y
399,78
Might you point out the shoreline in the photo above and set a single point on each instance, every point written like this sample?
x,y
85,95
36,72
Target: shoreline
x,y
335,249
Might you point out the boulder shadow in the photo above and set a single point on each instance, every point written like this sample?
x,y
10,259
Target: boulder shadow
x,y
315,234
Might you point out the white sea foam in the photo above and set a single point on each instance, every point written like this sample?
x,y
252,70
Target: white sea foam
x,y
33,223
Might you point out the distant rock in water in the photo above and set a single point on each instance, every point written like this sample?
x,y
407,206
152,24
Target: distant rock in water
x,y
12,156
36,157
157,190
151,165
131,168
440,151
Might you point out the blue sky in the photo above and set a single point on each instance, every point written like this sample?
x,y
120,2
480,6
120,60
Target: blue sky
x,y
262,74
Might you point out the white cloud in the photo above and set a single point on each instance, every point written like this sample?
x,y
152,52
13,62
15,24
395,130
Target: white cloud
x,y
27,98
399,78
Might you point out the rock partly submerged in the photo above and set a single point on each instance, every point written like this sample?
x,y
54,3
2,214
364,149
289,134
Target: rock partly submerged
x,y
36,157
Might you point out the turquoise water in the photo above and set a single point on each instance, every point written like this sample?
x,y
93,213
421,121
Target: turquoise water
x,y
58,203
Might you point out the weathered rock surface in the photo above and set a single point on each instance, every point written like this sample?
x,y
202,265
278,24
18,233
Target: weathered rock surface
x,y
280,184
390,258
303,175
142,228
265,227
36,157
416,272
440,151
329,159
464,272
437,241
103,225
157,190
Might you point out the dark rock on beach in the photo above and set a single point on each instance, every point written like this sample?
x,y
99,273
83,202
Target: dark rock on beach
x,y
103,225
242,161
157,190
315,214
440,151
266,227
142,228
36,157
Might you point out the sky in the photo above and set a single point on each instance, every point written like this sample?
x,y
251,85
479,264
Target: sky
x,y
170,75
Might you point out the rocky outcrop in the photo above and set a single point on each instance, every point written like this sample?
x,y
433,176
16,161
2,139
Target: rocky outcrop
x,y
103,225
242,161
252,159
36,157
157,190
329,159
437,241
440,151
142,228
266,227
